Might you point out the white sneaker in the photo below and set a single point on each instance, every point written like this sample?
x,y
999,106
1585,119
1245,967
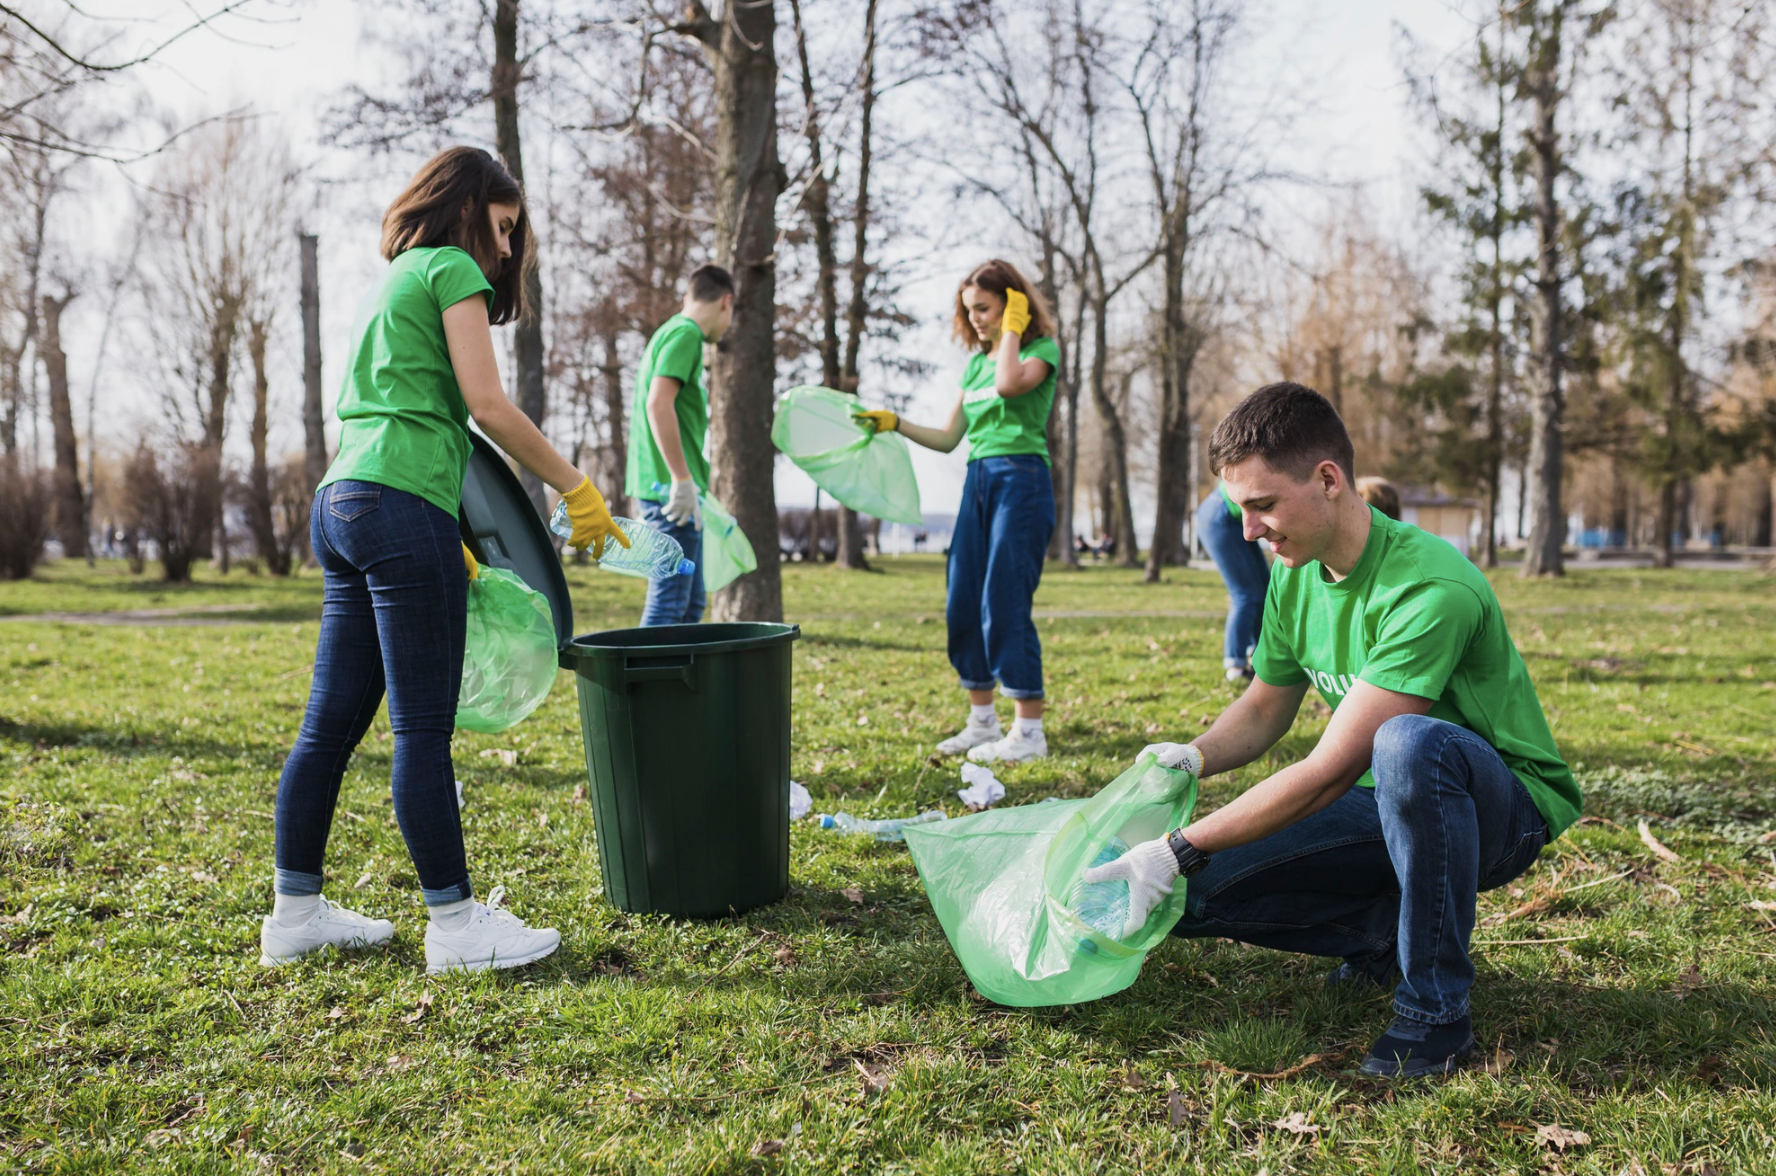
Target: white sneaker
x,y
1014,748
971,736
494,938
329,926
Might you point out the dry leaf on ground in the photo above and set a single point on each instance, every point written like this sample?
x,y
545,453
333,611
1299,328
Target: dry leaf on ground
x,y
1659,848
854,893
420,1009
875,1078
1177,1114
766,1147
1560,1138
1297,1123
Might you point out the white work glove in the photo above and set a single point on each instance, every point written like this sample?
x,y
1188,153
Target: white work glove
x,y
1177,756
681,504
1149,869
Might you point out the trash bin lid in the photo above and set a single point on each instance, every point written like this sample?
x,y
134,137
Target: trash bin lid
x,y
503,530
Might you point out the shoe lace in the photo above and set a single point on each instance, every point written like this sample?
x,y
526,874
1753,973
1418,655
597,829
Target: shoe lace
x,y
491,909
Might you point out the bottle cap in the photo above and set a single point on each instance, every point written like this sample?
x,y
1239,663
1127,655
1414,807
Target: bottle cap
x,y
686,567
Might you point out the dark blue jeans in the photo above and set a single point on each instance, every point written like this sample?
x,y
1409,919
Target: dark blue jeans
x,y
1002,531
392,621
1242,567
1387,875
678,600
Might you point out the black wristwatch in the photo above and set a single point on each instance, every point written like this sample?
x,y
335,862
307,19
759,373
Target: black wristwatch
x,y
1191,860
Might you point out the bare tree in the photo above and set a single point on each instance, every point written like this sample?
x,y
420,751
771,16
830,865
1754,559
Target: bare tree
x,y
314,432
739,46
70,505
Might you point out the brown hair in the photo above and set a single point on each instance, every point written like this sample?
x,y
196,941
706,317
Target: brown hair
x,y
1292,427
445,203
1381,494
996,277
708,283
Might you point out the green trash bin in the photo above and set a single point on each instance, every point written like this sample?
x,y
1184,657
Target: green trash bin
x,y
686,729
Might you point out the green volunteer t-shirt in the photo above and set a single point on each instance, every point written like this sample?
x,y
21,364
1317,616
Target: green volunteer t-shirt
x,y
676,350
1002,427
1415,616
402,419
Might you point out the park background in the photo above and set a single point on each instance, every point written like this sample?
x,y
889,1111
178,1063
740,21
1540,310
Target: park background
x,y
1526,252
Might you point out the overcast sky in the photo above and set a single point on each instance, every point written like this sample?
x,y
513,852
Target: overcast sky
x,y
1343,54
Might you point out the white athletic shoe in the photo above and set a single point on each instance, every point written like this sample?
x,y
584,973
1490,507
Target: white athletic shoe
x,y
970,737
1014,748
329,926
494,938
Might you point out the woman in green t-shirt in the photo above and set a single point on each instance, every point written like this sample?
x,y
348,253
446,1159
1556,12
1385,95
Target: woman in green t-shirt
x,y
1008,510
384,530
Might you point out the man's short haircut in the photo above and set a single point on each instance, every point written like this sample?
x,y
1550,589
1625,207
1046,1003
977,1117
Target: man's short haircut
x,y
709,282
1292,427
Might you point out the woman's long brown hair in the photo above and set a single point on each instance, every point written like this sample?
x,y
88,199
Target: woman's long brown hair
x,y
445,203
997,277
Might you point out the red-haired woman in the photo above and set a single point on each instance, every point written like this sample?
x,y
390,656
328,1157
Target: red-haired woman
x,y
1008,509
384,521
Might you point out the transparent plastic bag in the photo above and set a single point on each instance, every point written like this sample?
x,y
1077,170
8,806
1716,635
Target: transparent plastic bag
x,y
1006,886
870,472
509,656
727,553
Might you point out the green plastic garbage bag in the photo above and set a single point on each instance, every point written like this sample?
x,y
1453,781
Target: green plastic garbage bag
x,y
727,553
1005,883
509,658
872,473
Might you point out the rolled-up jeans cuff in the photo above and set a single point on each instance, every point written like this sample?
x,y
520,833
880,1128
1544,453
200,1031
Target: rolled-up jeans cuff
x,y
967,685
295,884
446,894
1423,1018
1019,694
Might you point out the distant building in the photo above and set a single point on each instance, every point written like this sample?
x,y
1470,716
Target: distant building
x,y
1445,516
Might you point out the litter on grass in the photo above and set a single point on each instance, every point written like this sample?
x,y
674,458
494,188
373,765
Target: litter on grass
x,y
892,829
984,789
799,801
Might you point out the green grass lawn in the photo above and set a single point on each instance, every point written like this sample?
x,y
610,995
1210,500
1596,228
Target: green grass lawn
x,y
1619,995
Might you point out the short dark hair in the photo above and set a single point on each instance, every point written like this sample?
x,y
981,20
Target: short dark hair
x,y
709,282
445,203
1292,427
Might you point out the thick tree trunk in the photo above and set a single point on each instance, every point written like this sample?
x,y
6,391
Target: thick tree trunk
x,y
616,412
314,429
1171,476
259,505
850,547
1547,521
70,506
748,177
528,343
1120,509
211,524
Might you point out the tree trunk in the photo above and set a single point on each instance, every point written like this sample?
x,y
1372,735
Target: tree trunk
x,y
259,505
314,431
210,527
528,343
616,412
1119,508
850,547
1547,523
748,177
70,506
1177,356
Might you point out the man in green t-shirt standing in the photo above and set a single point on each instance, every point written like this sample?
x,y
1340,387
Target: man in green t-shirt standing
x,y
669,426
1437,776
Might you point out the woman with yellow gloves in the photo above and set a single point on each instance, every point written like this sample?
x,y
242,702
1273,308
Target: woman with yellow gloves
x,y
393,620
1008,510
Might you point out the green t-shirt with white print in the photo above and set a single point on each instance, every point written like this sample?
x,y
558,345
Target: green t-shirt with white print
x,y
1416,617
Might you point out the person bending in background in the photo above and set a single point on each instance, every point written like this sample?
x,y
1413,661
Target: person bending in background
x,y
1437,776
395,615
668,431
1243,569
1380,493
1008,509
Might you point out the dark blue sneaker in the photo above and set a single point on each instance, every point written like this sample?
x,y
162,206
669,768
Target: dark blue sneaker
x,y
1412,1049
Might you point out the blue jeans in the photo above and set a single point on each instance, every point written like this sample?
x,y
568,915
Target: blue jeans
x,y
1241,564
1384,876
1001,538
678,600
392,620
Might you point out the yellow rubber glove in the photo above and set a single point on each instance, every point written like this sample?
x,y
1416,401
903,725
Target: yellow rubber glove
x,y
879,419
469,564
1016,318
591,519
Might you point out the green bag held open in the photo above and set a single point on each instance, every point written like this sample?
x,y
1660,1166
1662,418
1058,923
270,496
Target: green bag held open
x,y
509,657
1006,887
727,553
870,472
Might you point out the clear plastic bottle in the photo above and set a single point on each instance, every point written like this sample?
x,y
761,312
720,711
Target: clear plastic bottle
x,y
650,554
1103,905
888,830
